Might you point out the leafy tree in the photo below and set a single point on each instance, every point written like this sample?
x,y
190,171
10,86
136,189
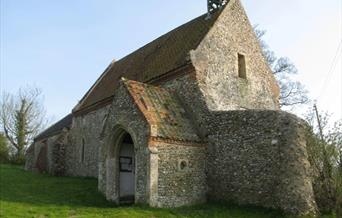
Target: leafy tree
x,y
291,92
325,155
22,116
339,194
335,138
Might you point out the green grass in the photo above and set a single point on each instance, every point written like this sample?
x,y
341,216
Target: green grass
x,y
26,194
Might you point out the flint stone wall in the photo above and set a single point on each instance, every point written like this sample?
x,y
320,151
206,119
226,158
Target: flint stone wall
x,y
214,83
216,63
48,155
260,158
57,166
30,158
42,155
85,131
123,115
253,157
174,186
42,163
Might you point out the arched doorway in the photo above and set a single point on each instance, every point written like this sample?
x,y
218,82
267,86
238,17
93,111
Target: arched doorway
x,y
126,169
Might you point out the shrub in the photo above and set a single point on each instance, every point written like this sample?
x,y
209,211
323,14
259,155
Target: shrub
x,y
4,150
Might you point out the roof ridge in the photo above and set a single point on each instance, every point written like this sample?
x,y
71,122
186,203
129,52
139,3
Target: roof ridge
x,y
165,34
55,128
154,59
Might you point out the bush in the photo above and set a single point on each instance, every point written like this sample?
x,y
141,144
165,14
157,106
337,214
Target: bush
x,y
339,194
4,150
325,194
324,184
4,156
18,160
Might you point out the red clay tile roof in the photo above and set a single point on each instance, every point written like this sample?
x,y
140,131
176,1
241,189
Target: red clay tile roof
x,y
162,55
163,111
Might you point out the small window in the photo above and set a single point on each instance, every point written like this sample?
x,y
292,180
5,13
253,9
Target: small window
x,y
82,151
183,165
242,66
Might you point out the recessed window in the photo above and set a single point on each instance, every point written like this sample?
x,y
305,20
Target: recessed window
x,y
183,165
82,151
242,66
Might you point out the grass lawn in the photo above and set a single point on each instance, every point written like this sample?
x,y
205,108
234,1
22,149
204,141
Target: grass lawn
x,y
26,194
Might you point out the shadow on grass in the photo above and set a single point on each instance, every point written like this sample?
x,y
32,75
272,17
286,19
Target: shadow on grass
x,y
18,185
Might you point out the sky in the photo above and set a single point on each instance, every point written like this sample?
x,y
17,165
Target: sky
x,y
63,46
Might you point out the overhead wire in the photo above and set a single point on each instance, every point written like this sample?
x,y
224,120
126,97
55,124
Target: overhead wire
x,y
331,71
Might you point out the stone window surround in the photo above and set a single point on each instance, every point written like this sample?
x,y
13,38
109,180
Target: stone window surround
x,y
82,152
242,65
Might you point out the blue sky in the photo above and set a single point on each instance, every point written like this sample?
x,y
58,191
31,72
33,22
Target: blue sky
x,y
63,46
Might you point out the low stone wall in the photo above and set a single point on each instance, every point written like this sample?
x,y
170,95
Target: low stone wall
x,y
260,158
179,174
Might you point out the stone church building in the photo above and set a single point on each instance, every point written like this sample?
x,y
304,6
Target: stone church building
x,y
191,117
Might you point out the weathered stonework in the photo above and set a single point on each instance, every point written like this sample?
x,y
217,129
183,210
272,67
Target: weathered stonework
x,y
123,116
177,186
58,154
85,132
48,155
30,158
199,131
261,161
216,64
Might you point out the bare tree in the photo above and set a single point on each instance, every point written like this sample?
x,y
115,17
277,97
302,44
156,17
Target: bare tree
x,y
22,117
291,92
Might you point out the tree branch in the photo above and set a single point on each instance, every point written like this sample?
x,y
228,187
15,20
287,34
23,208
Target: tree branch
x,y
10,138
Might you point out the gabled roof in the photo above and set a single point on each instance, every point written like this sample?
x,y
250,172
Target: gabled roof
x,y
163,111
153,60
56,128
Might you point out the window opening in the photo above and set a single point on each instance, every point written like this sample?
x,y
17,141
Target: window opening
x,y
242,66
82,151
